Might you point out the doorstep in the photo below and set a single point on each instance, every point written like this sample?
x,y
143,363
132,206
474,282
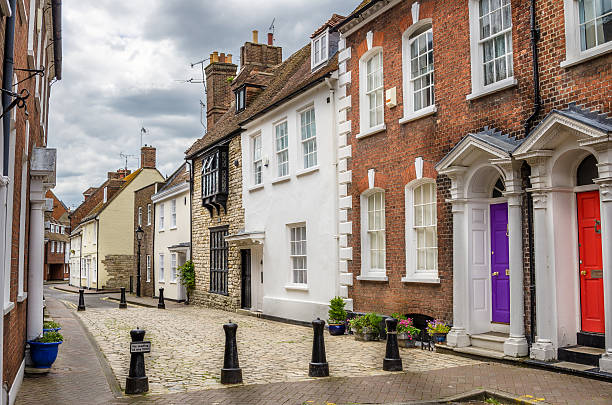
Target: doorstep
x,y
566,367
248,312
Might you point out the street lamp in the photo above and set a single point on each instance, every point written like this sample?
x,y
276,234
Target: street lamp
x,y
139,236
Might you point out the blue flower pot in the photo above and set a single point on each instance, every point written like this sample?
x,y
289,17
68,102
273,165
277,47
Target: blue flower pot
x,y
336,330
43,354
439,337
51,330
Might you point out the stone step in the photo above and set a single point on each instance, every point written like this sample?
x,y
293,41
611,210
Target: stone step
x,y
580,354
490,341
479,351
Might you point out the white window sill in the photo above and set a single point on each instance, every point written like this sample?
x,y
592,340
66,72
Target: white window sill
x,y
304,172
371,131
160,230
421,279
415,115
297,287
573,60
492,88
161,281
8,307
373,278
256,187
172,282
281,179
173,227
22,297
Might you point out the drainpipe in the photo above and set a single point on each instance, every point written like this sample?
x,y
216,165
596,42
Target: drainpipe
x,y
332,97
535,37
7,83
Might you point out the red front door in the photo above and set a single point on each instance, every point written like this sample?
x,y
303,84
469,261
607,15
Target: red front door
x,y
591,266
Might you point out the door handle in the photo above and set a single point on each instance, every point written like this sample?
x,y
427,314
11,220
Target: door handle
x,y
495,273
583,272
507,272
507,230
597,223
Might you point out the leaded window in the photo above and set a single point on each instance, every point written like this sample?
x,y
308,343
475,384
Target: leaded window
x,y
215,178
495,23
218,260
282,149
309,137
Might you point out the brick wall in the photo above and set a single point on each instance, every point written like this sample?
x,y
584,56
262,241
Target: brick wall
x,y
588,83
142,198
202,221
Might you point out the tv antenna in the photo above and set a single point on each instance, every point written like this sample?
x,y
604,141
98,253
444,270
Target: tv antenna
x,y
272,28
203,82
126,156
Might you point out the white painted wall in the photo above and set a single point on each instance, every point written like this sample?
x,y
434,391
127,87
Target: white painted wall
x,y
302,197
171,236
75,264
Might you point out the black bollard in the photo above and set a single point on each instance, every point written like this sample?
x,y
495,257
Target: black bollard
x,y
137,382
123,302
392,360
231,372
161,304
81,306
318,366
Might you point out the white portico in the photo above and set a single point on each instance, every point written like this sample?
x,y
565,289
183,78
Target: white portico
x,y
570,154
488,309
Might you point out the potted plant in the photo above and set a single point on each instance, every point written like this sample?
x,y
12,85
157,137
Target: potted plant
x,y
366,327
51,326
43,350
406,332
337,316
438,329
187,276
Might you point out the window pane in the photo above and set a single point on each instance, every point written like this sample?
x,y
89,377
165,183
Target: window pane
x,y
488,50
484,7
507,17
485,27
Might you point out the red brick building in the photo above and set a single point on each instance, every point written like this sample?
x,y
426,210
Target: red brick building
x,y
144,217
30,39
500,107
57,241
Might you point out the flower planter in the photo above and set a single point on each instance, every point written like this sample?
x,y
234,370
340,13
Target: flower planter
x,y
337,329
51,330
43,354
405,340
366,335
439,337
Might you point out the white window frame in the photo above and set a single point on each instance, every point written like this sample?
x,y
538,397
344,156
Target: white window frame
x,y
173,214
148,214
303,243
52,246
304,142
573,52
319,46
407,83
94,269
148,268
257,159
412,274
365,126
161,217
139,216
173,267
367,272
476,57
161,274
280,152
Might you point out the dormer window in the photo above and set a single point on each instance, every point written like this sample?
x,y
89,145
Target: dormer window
x,y
241,99
319,49
215,179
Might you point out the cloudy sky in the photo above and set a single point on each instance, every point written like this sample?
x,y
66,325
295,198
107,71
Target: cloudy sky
x,y
123,64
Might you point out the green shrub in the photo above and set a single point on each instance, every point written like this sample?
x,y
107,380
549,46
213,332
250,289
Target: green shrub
x,y
187,276
370,320
50,337
336,313
50,325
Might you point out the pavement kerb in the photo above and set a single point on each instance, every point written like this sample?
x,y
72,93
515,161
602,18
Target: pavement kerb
x,y
86,291
478,394
113,383
140,304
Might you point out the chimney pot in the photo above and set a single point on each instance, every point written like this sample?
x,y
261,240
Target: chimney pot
x,y
222,57
270,39
215,57
255,35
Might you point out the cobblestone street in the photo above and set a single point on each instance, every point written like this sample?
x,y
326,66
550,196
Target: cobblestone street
x,y
187,348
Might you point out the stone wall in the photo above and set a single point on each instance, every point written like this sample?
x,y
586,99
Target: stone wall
x,y
116,266
202,223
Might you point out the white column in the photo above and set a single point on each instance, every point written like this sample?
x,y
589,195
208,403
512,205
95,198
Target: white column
x,y
516,344
543,348
605,196
35,270
458,337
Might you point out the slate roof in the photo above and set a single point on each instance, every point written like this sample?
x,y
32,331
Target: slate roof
x,y
594,119
290,77
180,175
331,23
496,139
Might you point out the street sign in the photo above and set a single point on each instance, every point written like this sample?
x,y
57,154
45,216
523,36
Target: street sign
x,y
140,347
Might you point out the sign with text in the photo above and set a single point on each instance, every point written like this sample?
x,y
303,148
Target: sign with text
x,y
140,347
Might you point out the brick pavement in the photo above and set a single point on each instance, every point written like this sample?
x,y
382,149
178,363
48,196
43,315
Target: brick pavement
x,y
77,375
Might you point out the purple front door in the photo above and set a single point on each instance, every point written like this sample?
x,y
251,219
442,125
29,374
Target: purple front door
x,y
500,280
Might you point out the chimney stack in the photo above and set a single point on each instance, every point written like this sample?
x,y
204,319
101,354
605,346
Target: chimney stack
x,y
263,55
219,95
147,157
270,39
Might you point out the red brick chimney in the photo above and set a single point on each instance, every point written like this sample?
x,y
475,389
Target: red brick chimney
x,y
147,157
264,55
219,95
